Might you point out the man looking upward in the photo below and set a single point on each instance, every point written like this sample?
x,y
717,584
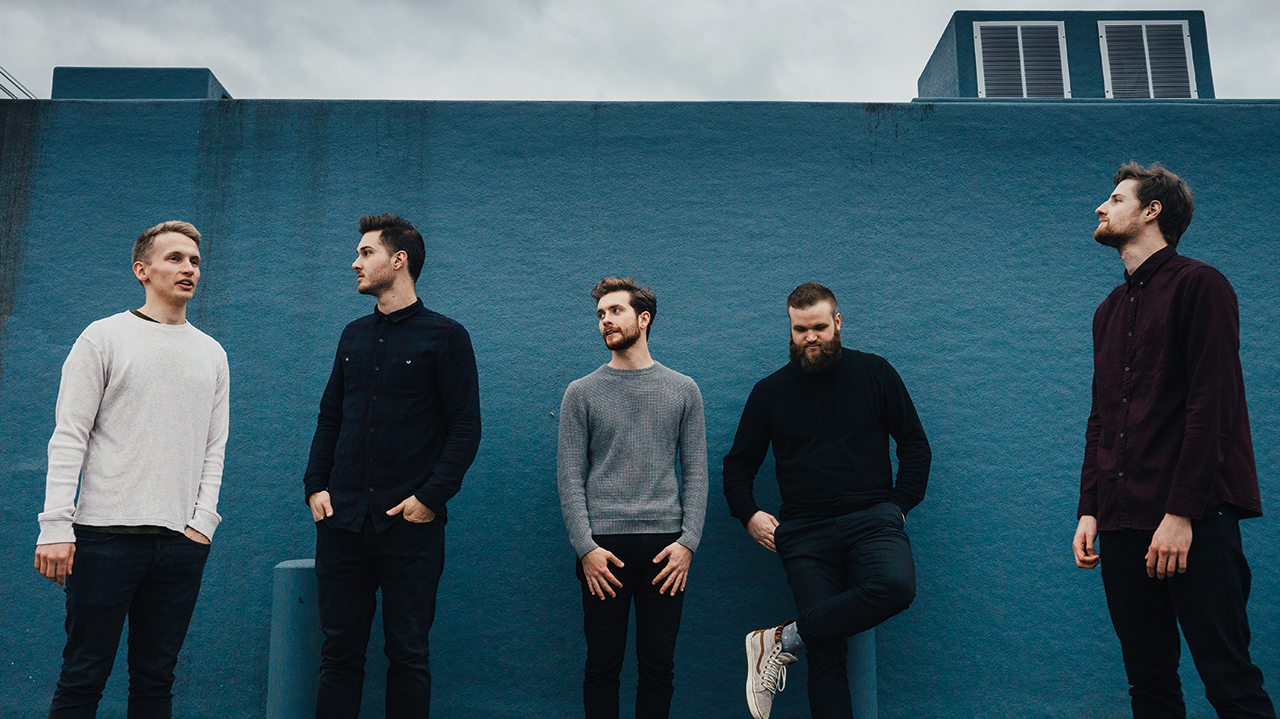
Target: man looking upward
x,y
141,432
399,425
633,521
1168,463
829,414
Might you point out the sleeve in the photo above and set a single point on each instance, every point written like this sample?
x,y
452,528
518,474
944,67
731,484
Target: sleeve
x,y
84,378
750,445
458,383
914,455
328,425
205,519
1209,324
1089,471
572,465
693,469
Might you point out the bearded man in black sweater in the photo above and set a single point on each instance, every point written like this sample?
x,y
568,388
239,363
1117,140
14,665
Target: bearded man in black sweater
x,y
829,414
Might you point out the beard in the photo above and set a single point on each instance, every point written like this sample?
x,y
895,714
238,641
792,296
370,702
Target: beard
x,y
828,356
1109,237
627,336
375,285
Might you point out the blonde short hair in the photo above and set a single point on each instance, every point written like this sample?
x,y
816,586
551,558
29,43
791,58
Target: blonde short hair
x,y
142,246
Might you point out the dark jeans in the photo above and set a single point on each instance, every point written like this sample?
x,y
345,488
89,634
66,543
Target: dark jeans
x,y
404,560
605,624
1208,601
847,574
153,580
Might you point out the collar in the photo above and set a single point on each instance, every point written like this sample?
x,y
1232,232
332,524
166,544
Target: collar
x,y
400,314
1149,267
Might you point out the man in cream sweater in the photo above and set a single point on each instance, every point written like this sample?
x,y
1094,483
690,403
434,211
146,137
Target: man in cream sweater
x,y
141,430
632,520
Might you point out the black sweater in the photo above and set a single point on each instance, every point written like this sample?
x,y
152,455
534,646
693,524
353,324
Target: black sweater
x,y
830,433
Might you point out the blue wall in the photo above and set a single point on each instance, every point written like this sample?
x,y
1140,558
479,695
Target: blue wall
x,y
952,69
956,234
136,83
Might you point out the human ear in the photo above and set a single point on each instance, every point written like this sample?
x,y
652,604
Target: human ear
x,y
1153,209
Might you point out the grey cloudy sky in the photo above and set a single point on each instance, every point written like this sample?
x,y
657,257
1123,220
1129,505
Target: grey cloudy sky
x,y
806,50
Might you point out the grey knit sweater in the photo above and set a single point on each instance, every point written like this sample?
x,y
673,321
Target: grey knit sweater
x,y
621,435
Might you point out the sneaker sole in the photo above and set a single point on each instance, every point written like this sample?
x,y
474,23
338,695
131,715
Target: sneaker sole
x,y
751,696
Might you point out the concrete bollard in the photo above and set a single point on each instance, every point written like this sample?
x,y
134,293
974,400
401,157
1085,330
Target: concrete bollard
x,y
294,667
862,675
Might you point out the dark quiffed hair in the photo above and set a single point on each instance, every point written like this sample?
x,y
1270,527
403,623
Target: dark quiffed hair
x,y
642,300
1158,184
398,235
810,294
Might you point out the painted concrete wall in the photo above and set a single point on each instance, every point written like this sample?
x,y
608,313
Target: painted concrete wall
x,y
136,83
952,69
956,234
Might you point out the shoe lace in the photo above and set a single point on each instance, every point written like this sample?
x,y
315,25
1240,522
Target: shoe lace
x,y
774,676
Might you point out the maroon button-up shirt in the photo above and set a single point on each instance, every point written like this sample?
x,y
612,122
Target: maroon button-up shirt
x,y
1169,429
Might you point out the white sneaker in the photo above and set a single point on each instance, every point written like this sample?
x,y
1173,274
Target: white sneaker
x,y
766,670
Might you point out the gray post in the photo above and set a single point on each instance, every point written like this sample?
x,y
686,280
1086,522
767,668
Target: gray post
x,y
862,675
293,673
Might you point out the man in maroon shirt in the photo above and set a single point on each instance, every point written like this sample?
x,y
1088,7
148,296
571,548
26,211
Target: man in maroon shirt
x,y
1168,467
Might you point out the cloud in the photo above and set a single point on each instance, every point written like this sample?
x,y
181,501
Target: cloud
x,y
797,50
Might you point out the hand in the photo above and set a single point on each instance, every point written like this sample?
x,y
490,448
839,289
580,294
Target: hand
x,y
54,560
760,527
195,536
1083,544
595,565
676,573
320,506
413,510
1169,547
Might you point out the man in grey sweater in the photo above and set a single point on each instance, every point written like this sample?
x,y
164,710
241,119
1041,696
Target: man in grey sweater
x,y
633,521
141,431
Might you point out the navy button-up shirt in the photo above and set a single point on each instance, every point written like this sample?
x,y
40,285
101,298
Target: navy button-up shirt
x,y
1169,429
400,416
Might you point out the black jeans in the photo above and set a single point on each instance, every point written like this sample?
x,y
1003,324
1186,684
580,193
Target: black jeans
x,y
847,574
1208,601
152,579
605,624
405,560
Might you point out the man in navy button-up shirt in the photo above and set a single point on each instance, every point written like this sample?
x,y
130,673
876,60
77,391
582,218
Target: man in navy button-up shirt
x,y
1168,469
399,425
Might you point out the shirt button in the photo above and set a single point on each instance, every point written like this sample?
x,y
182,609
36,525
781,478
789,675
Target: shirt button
x,y
381,340
371,429
1126,369
1121,437
375,397
1123,400
371,489
1122,474
376,368
1130,334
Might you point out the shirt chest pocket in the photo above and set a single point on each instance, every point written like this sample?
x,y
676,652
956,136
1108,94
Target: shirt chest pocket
x,y
350,374
409,376
1152,351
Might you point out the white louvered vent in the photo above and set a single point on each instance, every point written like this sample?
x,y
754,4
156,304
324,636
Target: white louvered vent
x,y
1021,59
1147,59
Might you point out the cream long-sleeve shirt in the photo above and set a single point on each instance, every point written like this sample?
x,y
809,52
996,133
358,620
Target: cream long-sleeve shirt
x,y
142,419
